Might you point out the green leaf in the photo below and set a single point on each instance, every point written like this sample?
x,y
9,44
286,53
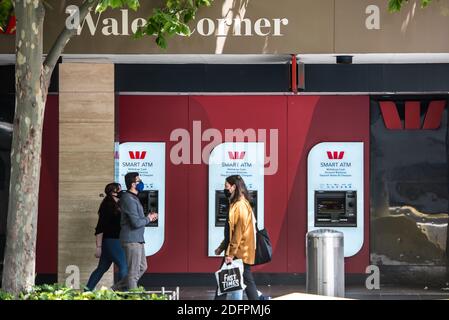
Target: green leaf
x,y
425,3
60,292
6,11
161,42
184,30
395,5
189,16
114,4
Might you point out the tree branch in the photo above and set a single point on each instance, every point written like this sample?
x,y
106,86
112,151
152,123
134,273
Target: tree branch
x,y
62,40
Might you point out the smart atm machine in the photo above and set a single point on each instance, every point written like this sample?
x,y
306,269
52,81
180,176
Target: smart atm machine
x,y
234,158
335,188
148,159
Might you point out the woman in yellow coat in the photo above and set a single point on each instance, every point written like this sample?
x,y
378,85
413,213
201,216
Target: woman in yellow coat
x,y
242,232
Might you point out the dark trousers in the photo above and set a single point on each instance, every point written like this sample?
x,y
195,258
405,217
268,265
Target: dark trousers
x,y
248,280
111,252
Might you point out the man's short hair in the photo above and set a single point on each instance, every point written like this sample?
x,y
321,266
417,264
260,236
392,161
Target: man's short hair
x,y
130,178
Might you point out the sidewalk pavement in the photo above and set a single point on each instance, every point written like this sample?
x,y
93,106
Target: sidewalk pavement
x,y
389,292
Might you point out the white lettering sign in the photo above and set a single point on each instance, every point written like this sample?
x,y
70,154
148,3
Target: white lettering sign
x,y
205,27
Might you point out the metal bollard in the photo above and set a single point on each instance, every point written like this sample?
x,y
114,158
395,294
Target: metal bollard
x,y
325,263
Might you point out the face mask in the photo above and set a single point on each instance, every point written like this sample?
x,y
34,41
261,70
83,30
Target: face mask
x,y
119,194
227,193
140,186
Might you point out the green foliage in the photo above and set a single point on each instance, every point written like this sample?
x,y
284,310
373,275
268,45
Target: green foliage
x,y
396,5
114,4
5,295
165,22
60,292
6,10
171,19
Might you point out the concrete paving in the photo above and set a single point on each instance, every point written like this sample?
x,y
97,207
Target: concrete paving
x,y
351,292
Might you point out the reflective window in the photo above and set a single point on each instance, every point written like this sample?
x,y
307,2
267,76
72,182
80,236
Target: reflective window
x,y
409,182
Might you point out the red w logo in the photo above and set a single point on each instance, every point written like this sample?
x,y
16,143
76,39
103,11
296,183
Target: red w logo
x,y
432,120
236,155
137,155
335,155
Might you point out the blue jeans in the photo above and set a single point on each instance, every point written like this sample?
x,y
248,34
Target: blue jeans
x,y
111,252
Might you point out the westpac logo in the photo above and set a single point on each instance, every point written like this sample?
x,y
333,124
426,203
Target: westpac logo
x,y
412,119
335,155
137,155
235,155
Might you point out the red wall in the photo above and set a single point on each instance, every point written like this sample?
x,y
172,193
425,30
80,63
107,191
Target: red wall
x,y
311,120
151,119
47,224
302,121
245,112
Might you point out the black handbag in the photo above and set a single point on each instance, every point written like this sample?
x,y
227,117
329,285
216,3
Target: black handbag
x,y
264,250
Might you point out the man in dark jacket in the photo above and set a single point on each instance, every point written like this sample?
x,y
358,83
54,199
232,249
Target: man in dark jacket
x,y
133,222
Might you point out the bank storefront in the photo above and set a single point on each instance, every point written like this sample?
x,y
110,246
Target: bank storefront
x,y
360,146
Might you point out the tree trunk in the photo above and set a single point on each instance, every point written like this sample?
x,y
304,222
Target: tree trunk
x,y
31,93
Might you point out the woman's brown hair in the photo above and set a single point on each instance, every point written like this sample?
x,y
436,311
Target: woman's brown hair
x,y
240,188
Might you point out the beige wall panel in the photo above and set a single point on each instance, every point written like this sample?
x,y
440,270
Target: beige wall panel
x,y
88,107
86,162
86,77
86,137
77,167
81,198
80,254
77,227
412,30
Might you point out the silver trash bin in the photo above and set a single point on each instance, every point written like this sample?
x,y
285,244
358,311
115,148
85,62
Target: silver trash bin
x,y
325,263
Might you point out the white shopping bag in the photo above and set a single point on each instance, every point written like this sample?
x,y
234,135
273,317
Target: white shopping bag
x,y
230,277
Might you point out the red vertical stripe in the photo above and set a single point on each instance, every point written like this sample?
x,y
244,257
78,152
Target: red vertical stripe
x,y
412,115
434,115
294,74
390,115
131,155
11,26
142,156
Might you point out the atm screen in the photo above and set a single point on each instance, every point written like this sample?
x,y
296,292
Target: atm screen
x,y
331,206
222,206
149,201
335,208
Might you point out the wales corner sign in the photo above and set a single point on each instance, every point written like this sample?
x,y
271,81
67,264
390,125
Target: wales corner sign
x,y
257,27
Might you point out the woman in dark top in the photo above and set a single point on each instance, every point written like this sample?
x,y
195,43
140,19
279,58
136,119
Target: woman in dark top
x,y
107,233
